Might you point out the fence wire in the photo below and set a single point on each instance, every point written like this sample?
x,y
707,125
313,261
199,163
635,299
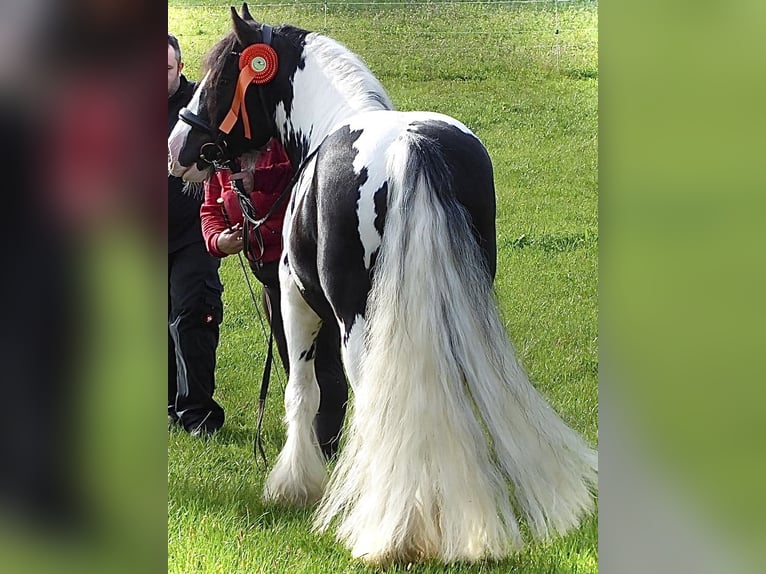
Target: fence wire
x,y
559,34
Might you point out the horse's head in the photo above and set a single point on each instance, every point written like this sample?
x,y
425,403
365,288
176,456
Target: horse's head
x,y
229,113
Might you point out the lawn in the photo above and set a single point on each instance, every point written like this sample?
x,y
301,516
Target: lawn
x,y
524,77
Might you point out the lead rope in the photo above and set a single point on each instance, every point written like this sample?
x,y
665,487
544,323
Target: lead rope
x,y
258,445
249,218
258,441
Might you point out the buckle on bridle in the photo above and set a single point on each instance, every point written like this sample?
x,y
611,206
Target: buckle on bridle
x,y
213,153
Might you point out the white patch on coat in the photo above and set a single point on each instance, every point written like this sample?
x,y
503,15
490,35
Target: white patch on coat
x,y
371,147
353,350
333,84
181,130
379,129
177,140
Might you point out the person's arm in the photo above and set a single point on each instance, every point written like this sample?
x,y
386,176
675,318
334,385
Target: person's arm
x,y
220,240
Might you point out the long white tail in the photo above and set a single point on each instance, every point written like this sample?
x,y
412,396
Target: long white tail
x,y
444,418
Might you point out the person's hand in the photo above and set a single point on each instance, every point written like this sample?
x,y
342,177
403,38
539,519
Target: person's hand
x,y
230,240
247,179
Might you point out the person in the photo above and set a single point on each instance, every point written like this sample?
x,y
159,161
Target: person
x,y
194,290
265,175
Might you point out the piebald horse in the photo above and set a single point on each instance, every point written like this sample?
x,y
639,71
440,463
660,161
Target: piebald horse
x,y
390,231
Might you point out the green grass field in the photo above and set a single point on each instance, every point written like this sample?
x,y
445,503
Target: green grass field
x,y
531,95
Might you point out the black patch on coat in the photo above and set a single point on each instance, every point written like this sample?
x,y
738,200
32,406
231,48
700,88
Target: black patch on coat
x,y
381,207
302,250
309,354
288,41
327,242
471,179
380,199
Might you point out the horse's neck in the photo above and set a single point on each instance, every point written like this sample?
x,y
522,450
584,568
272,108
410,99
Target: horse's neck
x,y
324,95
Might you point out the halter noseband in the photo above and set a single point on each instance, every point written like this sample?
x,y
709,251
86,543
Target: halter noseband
x,y
261,71
214,152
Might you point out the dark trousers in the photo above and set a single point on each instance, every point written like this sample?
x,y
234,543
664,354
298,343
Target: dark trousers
x,y
195,312
327,365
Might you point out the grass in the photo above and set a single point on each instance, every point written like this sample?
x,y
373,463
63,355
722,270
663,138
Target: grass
x,y
531,96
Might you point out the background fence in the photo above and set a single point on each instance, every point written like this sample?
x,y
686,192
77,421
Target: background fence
x,y
556,34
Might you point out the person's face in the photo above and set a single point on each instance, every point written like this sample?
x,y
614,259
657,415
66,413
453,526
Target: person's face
x,y
174,71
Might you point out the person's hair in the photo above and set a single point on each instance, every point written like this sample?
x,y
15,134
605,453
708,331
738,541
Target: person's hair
x,y
173,41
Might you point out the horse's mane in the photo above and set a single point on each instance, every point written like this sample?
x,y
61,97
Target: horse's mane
x,y
213,64
344,68
348,73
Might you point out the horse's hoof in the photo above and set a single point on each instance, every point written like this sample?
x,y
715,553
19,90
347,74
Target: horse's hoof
x,y
286,496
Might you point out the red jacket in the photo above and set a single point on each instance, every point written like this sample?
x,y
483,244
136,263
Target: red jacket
x,y
271,175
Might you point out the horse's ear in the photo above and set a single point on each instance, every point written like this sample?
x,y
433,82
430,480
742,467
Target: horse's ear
x,y
246,13
242,30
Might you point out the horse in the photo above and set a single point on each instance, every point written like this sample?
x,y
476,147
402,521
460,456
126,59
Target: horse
x,y
390,232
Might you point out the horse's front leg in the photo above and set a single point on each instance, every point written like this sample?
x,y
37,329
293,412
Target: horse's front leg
x,y
299,474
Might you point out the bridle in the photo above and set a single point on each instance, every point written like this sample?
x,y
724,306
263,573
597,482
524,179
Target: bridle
x,y
218,153
257,65
215,152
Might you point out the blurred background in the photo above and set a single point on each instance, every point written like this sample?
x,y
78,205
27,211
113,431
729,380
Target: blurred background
x,y
681,287
82,462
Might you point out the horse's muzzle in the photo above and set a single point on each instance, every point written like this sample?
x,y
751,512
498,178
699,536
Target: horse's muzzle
x,y
188,173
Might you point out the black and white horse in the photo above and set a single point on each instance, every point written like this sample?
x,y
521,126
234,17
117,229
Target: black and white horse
x,y
390,231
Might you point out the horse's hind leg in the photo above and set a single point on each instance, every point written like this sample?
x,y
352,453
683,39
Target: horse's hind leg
x,y
299,474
